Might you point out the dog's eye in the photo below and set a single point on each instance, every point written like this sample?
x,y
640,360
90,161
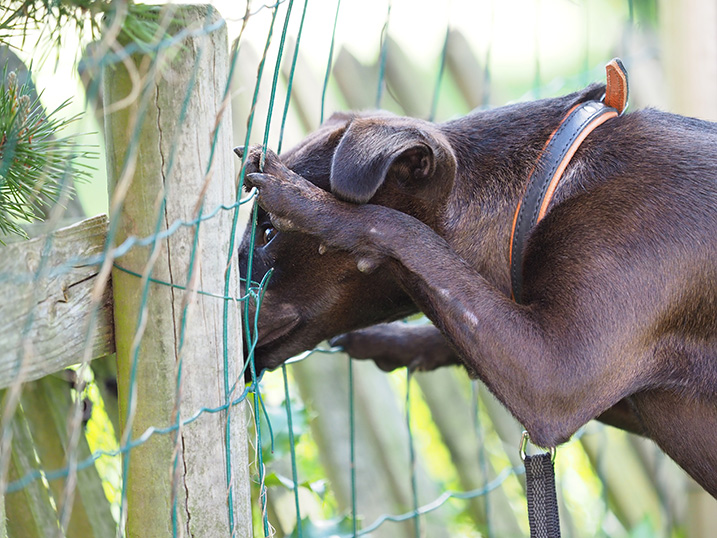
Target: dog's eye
x,y
269,234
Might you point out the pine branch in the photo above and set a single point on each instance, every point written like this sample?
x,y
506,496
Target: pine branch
x,y
36,164
141,24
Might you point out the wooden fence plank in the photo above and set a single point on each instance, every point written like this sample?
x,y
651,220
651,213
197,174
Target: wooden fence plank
x,y
455,421
467,71
624,477
45,303
3,523
383,484
30,512
47,405
356,82
411,86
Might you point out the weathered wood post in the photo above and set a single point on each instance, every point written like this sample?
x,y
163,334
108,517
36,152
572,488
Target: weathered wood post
x,y
170,336
3,527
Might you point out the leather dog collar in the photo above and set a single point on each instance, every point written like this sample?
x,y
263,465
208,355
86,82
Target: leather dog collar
x,y
562,144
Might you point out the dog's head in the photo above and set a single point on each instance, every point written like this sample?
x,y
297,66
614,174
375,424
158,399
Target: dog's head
x,y
376,158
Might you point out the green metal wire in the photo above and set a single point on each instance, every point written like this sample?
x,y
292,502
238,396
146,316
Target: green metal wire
x,y
382,58
292,450
330,61
230,256
274,81
352,448
442,499
287,397
257,394
180,287
290,83
412,458
482,453
439,78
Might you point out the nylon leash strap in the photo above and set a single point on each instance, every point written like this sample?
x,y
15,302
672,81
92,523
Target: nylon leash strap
x,y
543,514
540,492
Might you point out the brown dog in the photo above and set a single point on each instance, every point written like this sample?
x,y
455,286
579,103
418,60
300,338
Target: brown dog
x,y
374,217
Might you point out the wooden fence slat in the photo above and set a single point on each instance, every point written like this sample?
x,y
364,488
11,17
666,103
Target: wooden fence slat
x,y
3,523
467,71
454,419
47,405
180,366
411,86
356,82
29,511
44,320
383,485
624,477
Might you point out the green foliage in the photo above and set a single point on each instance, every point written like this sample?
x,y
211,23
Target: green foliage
x,y
324,529
138,23
35,164
275,479
643,11
50,15
279,446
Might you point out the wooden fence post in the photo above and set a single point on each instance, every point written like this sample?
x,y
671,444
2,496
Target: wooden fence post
x,y
159,147
3,526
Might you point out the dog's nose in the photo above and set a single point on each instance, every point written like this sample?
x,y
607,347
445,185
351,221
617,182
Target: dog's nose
x,y
239,150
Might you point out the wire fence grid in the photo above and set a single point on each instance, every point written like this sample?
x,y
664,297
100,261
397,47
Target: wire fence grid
x,y
278,71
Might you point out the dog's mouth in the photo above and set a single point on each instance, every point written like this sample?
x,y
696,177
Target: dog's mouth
x,y
275,328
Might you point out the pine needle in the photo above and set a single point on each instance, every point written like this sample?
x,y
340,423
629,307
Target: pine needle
x,y
36,164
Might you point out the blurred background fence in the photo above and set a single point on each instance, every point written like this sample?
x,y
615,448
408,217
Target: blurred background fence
x,y
124,410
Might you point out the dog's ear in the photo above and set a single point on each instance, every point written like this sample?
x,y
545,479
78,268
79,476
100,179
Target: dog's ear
x,y
371,151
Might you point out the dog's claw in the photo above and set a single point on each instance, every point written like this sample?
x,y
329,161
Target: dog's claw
x,y
322,249
256,179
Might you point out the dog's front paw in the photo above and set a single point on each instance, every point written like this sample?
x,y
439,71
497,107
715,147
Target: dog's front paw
x,y
294,203
260,160
394,345
370,344
427,362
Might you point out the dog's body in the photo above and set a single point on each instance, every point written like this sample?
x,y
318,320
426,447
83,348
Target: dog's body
x,y
619,313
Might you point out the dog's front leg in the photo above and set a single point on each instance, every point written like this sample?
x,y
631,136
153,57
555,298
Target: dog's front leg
x,y
398,344
553,377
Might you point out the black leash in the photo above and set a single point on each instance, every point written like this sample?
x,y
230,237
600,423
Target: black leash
x,y
540,492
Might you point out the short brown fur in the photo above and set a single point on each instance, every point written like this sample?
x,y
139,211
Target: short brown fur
x,y
380,216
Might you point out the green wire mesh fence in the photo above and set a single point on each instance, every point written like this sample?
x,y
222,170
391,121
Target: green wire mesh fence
x,y
334,448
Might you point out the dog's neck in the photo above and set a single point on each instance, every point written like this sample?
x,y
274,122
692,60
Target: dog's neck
x,y
495,152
